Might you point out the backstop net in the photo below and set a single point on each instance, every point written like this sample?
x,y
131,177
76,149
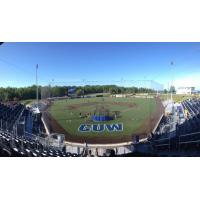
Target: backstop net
x,y
132,106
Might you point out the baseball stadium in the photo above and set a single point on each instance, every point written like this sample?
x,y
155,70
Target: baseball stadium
x,y
92,115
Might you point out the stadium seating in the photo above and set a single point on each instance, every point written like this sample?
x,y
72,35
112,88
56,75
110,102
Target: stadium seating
x,y
20,129
187,137
24,142
20,147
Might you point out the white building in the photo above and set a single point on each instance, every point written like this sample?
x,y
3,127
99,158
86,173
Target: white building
x,y
185,90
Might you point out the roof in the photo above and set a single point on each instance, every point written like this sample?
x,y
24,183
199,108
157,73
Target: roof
x,y
186,87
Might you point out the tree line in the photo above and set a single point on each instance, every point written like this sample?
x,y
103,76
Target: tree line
x,y
14,94
25,93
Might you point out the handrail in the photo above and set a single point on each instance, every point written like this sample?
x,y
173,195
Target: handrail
x,y
188,142
168,138
161,145
190,134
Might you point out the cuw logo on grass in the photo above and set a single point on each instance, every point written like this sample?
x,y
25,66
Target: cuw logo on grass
x,y
101,128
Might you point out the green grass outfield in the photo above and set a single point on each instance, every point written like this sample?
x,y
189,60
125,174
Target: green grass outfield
x,y
178,98
67,114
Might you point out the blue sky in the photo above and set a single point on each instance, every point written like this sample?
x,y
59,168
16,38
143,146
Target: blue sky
x,y
99,63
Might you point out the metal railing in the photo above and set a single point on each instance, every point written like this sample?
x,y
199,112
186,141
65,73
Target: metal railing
x,y
162,143
195,138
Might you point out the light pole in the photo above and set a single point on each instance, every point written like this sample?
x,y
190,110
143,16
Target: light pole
x,y
172,64
37,96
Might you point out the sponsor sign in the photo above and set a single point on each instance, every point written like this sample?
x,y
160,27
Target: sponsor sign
x,y
71,91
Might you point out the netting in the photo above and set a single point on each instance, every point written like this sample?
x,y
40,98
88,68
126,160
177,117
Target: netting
x,y
81,88
46,92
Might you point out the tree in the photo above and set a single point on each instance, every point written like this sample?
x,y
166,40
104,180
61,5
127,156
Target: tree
x,y
24,93
165,91
113,90
79,92
172,89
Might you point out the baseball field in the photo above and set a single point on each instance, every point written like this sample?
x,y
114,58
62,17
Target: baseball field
x,y
135,116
